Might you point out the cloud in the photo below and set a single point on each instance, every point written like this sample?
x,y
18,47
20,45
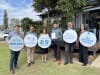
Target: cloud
x,y
18,10
5,5
24,12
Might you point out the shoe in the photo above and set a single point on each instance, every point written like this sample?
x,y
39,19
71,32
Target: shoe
x,y
32,62
84,65
29,64
16,67
71,62
12,71
65,63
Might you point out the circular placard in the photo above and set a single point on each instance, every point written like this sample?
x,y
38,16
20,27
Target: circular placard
x,y
16,43
30,40
70,36
88,39
44,41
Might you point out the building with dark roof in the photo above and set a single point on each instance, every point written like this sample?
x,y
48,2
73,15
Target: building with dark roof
x,y
90,17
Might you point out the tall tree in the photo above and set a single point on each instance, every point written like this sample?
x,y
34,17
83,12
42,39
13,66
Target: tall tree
x,y
5,19
70,7
44,6
25,23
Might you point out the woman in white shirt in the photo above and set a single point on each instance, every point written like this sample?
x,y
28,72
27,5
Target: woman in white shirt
x,y
44,51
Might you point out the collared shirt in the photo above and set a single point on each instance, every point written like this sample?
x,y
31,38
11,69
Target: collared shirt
x,y
34,33
58,32
13,33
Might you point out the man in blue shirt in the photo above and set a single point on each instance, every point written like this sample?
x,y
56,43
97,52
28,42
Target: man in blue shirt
x,y
56,35
14,54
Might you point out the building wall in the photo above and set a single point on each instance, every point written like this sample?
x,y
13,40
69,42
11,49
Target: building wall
x,y
88,17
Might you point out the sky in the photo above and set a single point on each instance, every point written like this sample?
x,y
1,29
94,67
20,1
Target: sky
x,y
18,9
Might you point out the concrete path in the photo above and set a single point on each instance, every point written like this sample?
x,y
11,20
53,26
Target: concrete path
x,y
1,42
96,62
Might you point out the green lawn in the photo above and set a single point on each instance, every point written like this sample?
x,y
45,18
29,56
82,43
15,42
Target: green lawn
x,y
49,68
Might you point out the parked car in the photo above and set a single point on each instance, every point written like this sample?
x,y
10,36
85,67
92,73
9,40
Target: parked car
x,y
3,35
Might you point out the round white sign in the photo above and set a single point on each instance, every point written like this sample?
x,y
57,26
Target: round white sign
x,y
70,36
88,39
44,41
30,40
16,43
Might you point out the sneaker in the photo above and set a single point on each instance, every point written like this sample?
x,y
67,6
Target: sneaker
x,y
71,62
29,64
84,64
32,62
12,72
16,67
65,63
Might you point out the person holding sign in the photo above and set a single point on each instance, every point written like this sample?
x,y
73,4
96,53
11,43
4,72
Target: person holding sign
x,y
14,53
83,51
30,48
69,36
44,51
56,35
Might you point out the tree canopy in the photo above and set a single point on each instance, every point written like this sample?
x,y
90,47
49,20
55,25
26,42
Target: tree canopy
x,y
69,7
25,23
41,5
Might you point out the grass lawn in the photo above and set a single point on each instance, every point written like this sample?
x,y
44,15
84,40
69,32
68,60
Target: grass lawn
x,y
49,68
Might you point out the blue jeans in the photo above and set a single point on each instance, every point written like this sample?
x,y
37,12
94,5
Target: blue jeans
x,y
13,59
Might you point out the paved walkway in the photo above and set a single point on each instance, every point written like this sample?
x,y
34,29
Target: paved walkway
x,y
96,62
2,42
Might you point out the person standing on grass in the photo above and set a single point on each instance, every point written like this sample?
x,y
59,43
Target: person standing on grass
x,y
44,51
56,35
14,54
69,48
83,51
30,51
